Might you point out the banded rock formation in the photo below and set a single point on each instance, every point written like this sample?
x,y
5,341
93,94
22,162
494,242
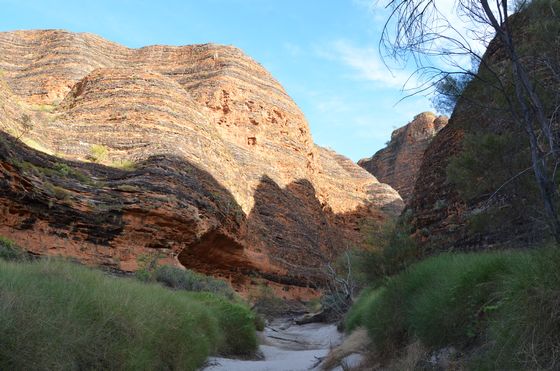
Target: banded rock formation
x,y
226,177
507,211
398,163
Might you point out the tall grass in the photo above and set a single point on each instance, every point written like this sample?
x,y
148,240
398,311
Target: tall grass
x,y
58,315
506,305
185,279
526,333
10,251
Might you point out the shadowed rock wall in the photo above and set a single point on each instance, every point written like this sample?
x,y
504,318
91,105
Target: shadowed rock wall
x,y
224,161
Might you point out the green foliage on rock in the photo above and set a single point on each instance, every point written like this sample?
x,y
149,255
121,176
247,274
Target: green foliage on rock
x,y
98,153
494,166
493,173
487,162
124,165
448,91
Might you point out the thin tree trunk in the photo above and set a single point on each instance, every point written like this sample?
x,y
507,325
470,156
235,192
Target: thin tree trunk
x,y
525,93
538,161
546,186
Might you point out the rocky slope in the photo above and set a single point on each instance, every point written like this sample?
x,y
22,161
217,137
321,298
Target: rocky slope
x,y
502,208
398,163
195,154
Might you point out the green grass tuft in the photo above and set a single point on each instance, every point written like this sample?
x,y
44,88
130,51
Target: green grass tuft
x,y
505,304
355,317
10,251
526,332
58,315
98,153
124,165
185,279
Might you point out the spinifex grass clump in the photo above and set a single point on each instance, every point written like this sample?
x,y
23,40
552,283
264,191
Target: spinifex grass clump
x,y
526,331
10,251
185,279
504,305
59,315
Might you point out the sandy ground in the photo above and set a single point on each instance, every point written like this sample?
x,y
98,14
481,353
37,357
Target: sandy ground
x,y
286,347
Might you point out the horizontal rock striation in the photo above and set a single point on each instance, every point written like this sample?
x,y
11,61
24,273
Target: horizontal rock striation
x,y
398,163
508,213
194,154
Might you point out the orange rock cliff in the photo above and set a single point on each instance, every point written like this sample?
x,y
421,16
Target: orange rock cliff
x,y
399,162
195,154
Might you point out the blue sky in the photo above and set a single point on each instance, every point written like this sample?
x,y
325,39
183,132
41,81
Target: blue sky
x,y
324,52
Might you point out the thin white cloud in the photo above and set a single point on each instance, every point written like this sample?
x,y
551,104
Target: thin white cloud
x,y
332,104
365,62
292,49
451,21
367,4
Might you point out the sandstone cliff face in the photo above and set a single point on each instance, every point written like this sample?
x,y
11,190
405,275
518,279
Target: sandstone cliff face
x,y
226,177
399,162
442,218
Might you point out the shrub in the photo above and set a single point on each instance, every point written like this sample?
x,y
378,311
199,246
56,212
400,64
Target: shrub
x,y
128,188
180,279
236,322
266,303
98,153
191,281
26,124
57,315
147,265
504,304
10,251
355,317
441,301
260,322
394,249
124,165
526,332
64,170
58,192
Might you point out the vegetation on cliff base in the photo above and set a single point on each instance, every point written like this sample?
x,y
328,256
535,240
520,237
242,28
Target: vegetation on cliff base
x,y
501,308
516,85
10,251
180,279
390,249
60,315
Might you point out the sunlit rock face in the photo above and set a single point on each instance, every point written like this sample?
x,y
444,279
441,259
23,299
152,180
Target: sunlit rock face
x,y
398,163
226,178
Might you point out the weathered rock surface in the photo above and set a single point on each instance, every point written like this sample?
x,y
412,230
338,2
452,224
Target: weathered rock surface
x,y
443,218
398,163
226,177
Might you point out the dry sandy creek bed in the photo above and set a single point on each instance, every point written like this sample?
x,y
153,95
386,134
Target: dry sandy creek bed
x,y
286,346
